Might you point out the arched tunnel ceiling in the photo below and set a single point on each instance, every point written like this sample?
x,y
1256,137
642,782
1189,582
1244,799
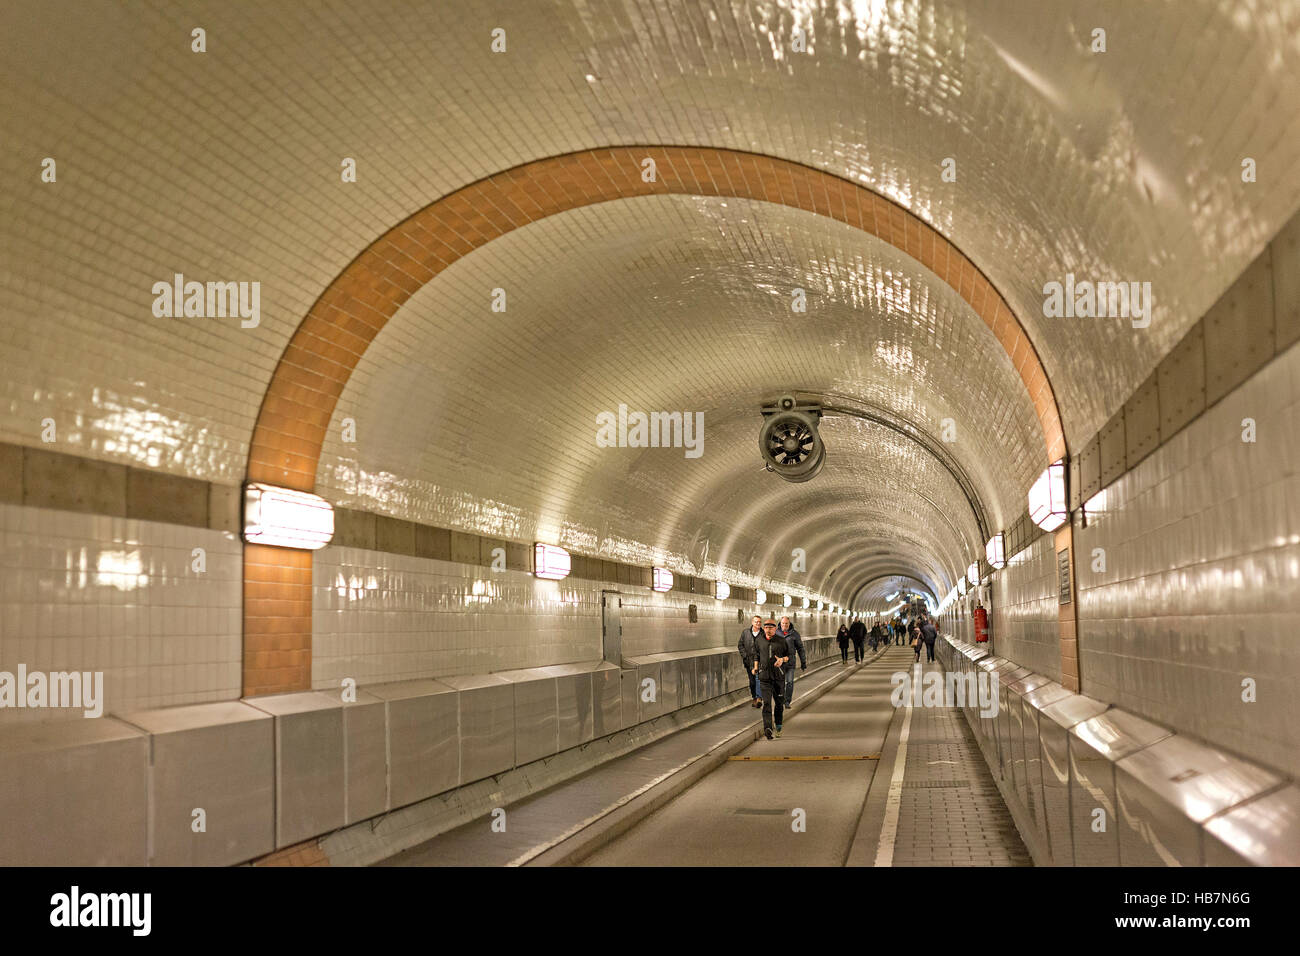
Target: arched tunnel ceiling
x,y
472,418
225,166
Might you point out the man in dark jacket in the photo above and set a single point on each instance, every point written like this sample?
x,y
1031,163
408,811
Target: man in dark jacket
x,y
857,634
795,643
772,655
929,634
748,645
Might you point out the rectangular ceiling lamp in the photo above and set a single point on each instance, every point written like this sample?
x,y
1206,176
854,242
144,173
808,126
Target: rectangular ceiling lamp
x,y
721,590
286,519
995,552
663,579
1048,507
550,562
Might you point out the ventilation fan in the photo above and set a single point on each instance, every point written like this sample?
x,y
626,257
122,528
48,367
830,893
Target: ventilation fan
x,y
789,441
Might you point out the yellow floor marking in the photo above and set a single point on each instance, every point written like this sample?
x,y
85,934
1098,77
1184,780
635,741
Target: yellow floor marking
x,y
828,757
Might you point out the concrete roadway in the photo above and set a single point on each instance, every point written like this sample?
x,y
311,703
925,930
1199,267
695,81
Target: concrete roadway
x,y
742,813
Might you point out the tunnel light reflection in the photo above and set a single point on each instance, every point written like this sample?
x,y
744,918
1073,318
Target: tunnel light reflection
x,y
663,580
120,569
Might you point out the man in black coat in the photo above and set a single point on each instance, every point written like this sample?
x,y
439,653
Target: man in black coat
x,y
858,635
749,639
929,634
773,653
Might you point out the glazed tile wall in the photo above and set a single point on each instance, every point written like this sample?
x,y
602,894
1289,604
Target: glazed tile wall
x,y
381,617
1026,615
91,593
1201,586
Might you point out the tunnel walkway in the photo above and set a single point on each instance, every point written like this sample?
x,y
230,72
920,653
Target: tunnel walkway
x,y
943,809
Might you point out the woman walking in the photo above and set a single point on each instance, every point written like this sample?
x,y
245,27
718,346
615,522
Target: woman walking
x,y
843,638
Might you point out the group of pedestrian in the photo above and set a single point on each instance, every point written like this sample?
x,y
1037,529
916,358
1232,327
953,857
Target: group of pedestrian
x,y
923,632
768,651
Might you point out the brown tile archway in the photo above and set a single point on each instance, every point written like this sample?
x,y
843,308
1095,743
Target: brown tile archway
x,y
331,339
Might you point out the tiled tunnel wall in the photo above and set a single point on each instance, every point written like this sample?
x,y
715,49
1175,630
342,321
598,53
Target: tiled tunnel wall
x,y
119,595
1201,544
1025,619
386,617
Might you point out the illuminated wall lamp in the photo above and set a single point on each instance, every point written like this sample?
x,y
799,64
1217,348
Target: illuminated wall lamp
x,y
721,590
786,600
283,518
961,585
760,596
1048,507
973,574
806,604
663,580
995,552
551,563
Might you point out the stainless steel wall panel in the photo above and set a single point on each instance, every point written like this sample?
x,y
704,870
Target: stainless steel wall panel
x,y
218,757
73,793
365,741
536,712
607,700
575,718
1142,421
1262,832
309,760
630,683
487,725
1168,790
1095,746
423,739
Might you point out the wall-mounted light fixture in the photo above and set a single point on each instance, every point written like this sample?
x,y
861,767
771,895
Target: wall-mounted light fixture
x,y
1048,506
973,573
961,585
806,604
760,596
284,518
786,600
721,590
663,579
551,562
995,552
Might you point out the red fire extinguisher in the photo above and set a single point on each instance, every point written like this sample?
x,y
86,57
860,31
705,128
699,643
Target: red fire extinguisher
x,y
981,624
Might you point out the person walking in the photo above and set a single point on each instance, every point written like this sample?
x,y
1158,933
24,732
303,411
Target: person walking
x,y
914,638
748,648
771,655
858,635
842,638
900,632
929,634
795,643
